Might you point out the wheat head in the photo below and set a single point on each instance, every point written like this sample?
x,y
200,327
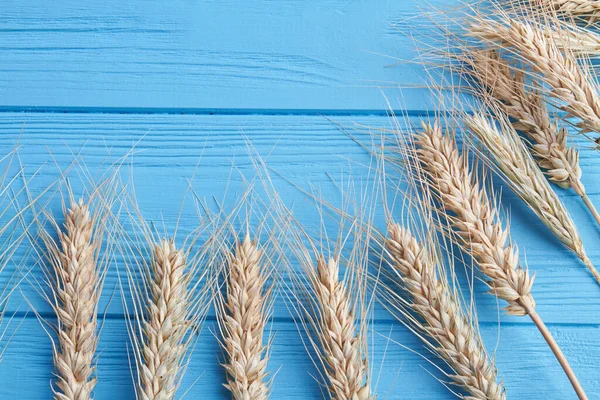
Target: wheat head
x,y
588,10
575,40
560,71
243,324
474,218
549,146
508,154
442,317
77,291
346,368
530,115
166,326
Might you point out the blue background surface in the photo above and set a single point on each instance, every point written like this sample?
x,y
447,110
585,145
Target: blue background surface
x,y
194,80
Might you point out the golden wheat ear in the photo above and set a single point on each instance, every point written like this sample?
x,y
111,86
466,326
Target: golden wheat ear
x,y
586,12
327,299
475,219
561,28
497,81
435,313
167,323
243,318
570,84
77,296
75,267
74,257
250,269
338,333
330,305
165,290
506,153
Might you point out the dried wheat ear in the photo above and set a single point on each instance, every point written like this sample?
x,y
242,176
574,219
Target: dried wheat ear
x,y
440,316
243,321
166,325
476,224
528,110
587,11
575,41
570,85
505,151
76,292
346,368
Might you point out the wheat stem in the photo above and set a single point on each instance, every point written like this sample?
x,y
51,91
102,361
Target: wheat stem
x,y
557,352
590,266
588,203
243,324
77,293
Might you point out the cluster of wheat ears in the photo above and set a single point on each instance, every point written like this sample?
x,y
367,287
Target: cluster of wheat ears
x,y
526,64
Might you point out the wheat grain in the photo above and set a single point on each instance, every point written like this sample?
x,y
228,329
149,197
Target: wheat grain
x,y
476,221
442,318
346,368
568,82
76,290
243,324
166,326
508,154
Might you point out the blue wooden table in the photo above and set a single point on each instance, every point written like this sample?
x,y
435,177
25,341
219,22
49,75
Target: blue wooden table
x,y
189,81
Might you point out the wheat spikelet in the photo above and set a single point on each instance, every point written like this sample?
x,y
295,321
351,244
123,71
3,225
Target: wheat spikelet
x,y
77,290
476,221
517,167
588,10
528,110
575,40
166,326
243,323
568,82
346,368
442,318
165,298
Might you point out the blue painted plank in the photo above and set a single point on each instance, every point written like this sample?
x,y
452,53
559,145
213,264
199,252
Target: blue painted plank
x,y
300,148
529,370
288,62
184,56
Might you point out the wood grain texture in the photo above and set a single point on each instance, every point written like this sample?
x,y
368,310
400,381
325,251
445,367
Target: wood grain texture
x,y
302,149
190,85
207,55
